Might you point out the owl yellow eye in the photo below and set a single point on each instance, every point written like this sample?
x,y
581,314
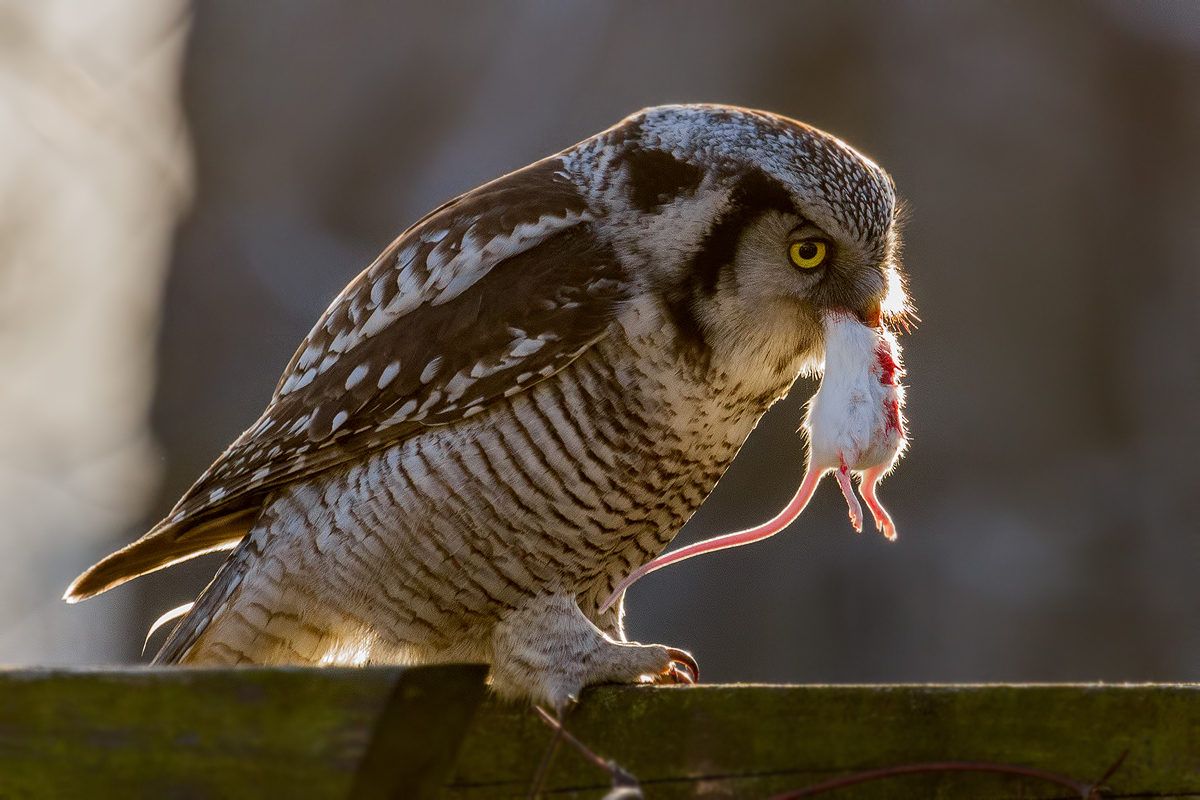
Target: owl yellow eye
x,y
807,254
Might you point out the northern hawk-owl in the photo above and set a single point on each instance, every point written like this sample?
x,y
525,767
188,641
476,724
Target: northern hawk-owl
x,y
523,400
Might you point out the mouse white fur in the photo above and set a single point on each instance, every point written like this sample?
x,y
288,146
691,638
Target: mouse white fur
x,y
855,422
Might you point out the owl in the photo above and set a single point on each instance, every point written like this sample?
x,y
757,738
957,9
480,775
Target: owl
x,y
522,401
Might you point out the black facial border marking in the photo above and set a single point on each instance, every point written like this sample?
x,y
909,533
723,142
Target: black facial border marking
x,y
754,195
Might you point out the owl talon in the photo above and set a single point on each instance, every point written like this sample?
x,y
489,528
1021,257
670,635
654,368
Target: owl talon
x,y
678,675
683,668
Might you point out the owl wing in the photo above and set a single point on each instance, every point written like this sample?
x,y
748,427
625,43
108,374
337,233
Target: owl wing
x,y
487,295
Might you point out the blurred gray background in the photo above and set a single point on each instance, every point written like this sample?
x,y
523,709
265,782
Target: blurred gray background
x,y
1049,154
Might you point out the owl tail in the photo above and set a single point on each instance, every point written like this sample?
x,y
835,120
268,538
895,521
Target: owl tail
x,y
169,542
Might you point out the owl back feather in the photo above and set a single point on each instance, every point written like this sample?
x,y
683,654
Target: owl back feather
x,y
489,295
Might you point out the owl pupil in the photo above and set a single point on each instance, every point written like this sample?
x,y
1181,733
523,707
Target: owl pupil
x,y
807,250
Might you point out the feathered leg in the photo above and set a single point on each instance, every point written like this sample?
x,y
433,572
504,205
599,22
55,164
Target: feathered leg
x,y
548,649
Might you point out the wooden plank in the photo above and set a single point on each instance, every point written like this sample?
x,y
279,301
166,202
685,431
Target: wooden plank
x,y
415,740
375,733
244,733
758,741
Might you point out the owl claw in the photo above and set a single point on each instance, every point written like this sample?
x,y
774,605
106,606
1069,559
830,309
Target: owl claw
x,y
683,669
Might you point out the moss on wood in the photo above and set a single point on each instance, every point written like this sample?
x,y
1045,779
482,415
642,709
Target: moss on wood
x,y
374,733
198,733
757,741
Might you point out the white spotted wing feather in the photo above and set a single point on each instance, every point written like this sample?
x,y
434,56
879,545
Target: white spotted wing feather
x,y
489,294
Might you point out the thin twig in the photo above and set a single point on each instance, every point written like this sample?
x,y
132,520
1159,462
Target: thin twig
x,y
543,769
619,777
1111,770
578,745
1086,791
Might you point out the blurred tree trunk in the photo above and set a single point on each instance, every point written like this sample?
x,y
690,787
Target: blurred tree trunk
x,y
93,174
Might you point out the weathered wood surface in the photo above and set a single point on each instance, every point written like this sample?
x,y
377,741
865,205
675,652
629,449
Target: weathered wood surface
x,y
176,734
758,741
368,734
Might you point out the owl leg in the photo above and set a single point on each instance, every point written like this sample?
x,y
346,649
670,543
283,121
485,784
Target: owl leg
x,y
548,651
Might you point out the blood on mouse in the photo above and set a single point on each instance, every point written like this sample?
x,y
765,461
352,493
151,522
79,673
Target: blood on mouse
x,y
855,425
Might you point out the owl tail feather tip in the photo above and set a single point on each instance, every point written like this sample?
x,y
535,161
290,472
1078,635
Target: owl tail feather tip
x,y
166,544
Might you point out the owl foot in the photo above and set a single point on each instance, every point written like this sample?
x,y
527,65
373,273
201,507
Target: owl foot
x,y
548,651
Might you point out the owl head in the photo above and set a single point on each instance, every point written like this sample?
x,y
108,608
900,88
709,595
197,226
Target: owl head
x,y
748,225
